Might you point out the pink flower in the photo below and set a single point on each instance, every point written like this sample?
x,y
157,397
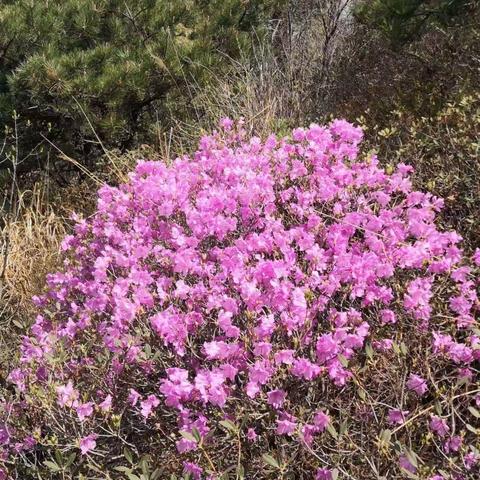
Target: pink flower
x,y
219,350
417,300
453,444
276,398
417,384
327,348
387,317
84,410
321,421
439,426
262,349
323,474
470,460
4,435
193,469
251,434
88,443
303,368
397,416
106,405
307,433
383,345
286,425
67,395
133,397
465,374
405,463
226,123
476,257
148,405
261,372
441,343
284,356
460,353
18,377
184,445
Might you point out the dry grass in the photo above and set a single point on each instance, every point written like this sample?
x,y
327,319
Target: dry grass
x,y
30,249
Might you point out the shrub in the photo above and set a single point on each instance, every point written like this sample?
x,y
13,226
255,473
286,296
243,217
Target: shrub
x,y
445,148
264,308
405,20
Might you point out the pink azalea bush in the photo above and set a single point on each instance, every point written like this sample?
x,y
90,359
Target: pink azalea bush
x,y
289,297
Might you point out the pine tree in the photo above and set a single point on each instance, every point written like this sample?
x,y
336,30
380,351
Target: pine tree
x,y
120,63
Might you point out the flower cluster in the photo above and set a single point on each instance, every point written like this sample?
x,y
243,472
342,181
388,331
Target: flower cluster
x,y
240,275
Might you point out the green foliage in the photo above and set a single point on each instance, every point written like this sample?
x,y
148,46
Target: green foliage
x,y
403,20
121,63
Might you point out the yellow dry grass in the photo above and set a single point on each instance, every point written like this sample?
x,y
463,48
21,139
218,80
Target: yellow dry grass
x,y
30,249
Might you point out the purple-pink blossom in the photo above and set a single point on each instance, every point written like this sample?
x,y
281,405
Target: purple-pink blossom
x,y
275,398
251,434
323,474
439,426
321,421
84,410
147,405
417,384
286,424
397,416
88,443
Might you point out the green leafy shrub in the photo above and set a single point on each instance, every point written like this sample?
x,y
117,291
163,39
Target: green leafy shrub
x,y
446,150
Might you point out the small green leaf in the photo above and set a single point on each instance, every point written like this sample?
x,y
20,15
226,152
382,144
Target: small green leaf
x,y
268,459
187,436
144,466
123,469
342,360
471,428
71,458
52,466
240,472
18,324
412,457
474,412
229,425
156,474
386,435
132,476
196,435
332,431
362,394
59,457
128,455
